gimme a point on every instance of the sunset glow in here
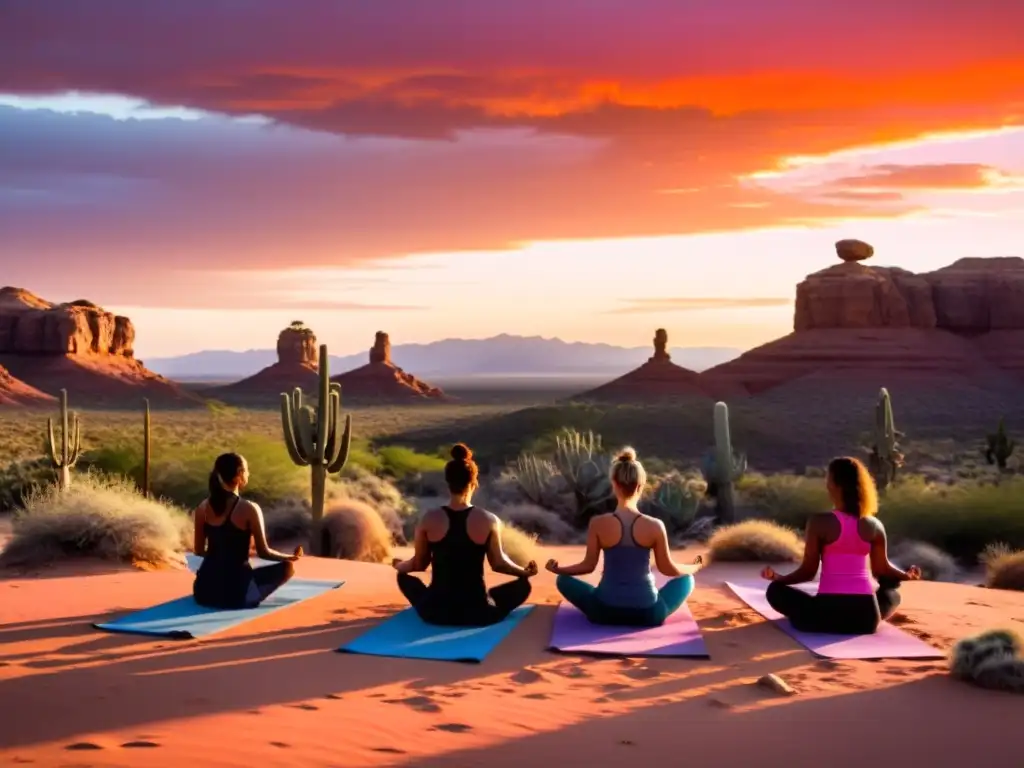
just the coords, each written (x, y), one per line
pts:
(465, 169)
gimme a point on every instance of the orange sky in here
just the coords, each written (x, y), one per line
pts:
(590, 171)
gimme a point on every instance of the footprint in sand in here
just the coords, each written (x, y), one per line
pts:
(572, 672)
(334, 696)
(280, 744)
(535, 696)
(642, 673)
(526, 676)
(82, 746)
(452, 727)
(719, 704)
(139, 744)
(390, 750)
(418, 703)
(306, 707)
(612, 687)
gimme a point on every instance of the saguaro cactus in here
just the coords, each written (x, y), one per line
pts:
(886, 456)
(1000, 446)
(313, 438)
(722, 468)
(147, 436)
(70, 443)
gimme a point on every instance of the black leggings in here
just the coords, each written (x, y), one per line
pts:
(835, 614)
(437, 607)
(262, 583)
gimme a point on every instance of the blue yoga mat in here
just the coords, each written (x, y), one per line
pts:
(184, 619)
(406, 635)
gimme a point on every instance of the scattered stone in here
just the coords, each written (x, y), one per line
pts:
(776, 684)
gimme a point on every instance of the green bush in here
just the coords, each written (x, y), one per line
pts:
(959, 519)
(18, 479)
(401, 462)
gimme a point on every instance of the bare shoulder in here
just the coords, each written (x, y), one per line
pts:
(486, 515)
(872, 524)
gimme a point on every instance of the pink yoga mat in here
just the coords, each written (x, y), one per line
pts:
(889, 642)
(679, 636)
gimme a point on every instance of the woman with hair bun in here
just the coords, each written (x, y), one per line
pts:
(627, 594)
(850, 545)
(226, 529)
(454, 540)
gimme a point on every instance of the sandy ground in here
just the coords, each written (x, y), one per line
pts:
(272, 692)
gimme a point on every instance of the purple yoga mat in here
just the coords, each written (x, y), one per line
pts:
(679, 636)
(889, 642)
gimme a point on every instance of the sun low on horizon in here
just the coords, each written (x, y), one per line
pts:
(216, 170)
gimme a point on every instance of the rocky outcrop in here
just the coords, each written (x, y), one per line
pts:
(77, 346)
(16, 393)
(658, 378)
(296, 366)
(962, 321)
(380, 380)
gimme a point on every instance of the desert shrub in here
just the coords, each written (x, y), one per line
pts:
(543, 524)
(288, 520)
(352, 530)
(787, 499)
(761, 541)
(958, 519)
(181, 473)
(990, 660)
(520, 547)
(401, 462)
(19, 478)
(961, 519)
(101, 517)
(380, 493)
(1004, 567)
(935, 564)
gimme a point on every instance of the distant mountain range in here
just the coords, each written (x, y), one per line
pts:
(456, 358)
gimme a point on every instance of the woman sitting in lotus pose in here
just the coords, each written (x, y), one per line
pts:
(850, 544)
(226, 526)
(627, 594)
(454, 540)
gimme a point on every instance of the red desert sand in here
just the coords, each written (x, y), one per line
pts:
(273, 693)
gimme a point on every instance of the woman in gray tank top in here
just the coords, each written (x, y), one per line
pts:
(627, 594)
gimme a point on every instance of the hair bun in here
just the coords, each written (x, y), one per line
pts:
(461, 452)
(627, 454)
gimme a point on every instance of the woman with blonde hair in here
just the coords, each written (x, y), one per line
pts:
(850, 545)
(627, 594)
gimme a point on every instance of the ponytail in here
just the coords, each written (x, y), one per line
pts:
(226, 468)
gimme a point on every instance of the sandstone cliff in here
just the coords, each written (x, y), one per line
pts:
(15, 392)
(381, 380)
(964, 321)
(296, 366)
(76, 346)
(658, 378)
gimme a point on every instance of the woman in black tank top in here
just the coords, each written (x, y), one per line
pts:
(225, 527)
(457, 595)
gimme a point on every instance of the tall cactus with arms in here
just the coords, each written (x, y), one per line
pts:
(722, 468)
(314, 438)
(886, 456)
(70, 443)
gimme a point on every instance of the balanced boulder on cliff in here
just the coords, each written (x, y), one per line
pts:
(77, 346)
(881, 325)
(296, 366)
(658, 378)
(381, 380)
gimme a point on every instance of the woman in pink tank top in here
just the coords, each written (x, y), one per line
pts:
(850, 545)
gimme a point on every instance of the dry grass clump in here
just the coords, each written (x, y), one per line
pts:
(381, 494)
(543, 524)
(287, 521)
(98, 517)
(352, 530)
(990, 660)
(935, 564)
(1004, 567)
(520, 547)
(757, 541)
